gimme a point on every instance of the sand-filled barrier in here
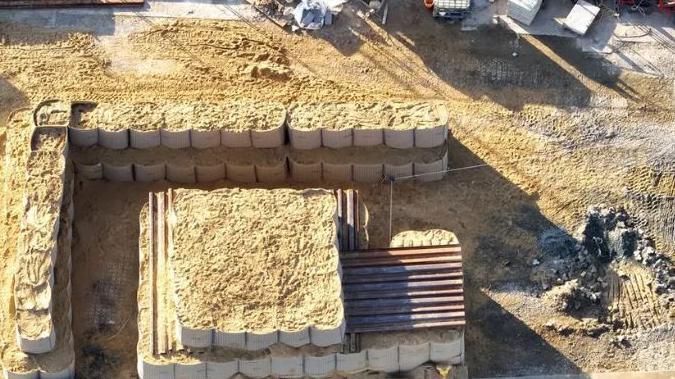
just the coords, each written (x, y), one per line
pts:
(37, 245)
(336, 125)
(178, 125)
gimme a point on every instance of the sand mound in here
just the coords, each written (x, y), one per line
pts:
(431, 237)
(256, 260)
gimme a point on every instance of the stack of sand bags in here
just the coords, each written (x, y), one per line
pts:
(523, 11)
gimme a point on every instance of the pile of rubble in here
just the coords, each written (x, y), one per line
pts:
(576, 272)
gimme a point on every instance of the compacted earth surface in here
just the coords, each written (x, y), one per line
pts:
(565, 217)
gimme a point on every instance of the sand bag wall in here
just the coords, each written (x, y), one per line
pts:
(37, 246)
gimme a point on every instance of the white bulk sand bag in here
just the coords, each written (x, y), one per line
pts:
(144, 139)
(432, 171)
(236, 340)
(327, 337)
(398, 171)
(191, 370)
(180, 173)
(203, 139)
(256, 368)
(149, 172)
(337, 172)
(287, 367)
(264, 139)
(272, 174)
(305, 172)
(193, 337)
(89, 171)
(399, 139)
(411, 356)
(66, 373)
(38, 345)
(368, 137)
(155, 371)
(303, 139)
(222, 370)
(447, 352)
(258, 341)
(83, 137)
(20, 375)
(243, 173)
(337, 139)
(352, 363)
(210, 173)
(320, 367)
(235, 138)
(113, 139)
(385, 360)
(367, 173)
(431, 137)
(295, 339)
(175, 139)
(118, 173)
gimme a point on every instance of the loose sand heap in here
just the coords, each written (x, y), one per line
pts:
(182, 116)
(37, 243)
(362, 115)
(256, 260)
(431, 237)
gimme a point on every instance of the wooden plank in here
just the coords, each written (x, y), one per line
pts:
(353, 271)
(357, 221)
(417, 301)
(161, 251)
(346, 263)
(373, 311)
(411, 277)
(350, 220)
(151, 269)
(398, 286)
(408, 251)
(384, 319)
(377, 328)
(403, 294)
(340, 214)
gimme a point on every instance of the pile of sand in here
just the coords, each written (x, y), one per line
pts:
(240, 115)
(363, 115)
(256, 260)
(431, 237)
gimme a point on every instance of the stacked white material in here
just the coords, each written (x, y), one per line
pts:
(37, 244)
(581, 17)
(523, 11)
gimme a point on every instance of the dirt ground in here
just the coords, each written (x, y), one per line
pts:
(556, 131)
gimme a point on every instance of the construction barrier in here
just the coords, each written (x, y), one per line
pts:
(320, 367)
(66, 373)
(148, 370)
(118, 173)
(222, 370)
(204, 138)
(235, 138)
(243, 173)
(265, 139)
(302, 139)
(385, 360)
(149, 172)
(431, 137)
(368, 137)
(181, 173)
(287, 367)
(367, 173)
(198, 338)
(175, 139)
(337, 172)
(337, 139)
(259, 341)
(272, 174)
(195, 370)
(447, 352)
(351, 363)
(305, 172)
(327, 337)
(431, 171)
(113, 139)
(398, 171)
(210, 173)
(411, 356)
(295, 339)
(144, 139)
(399, 139)
(42, 344)
(83, 137)
(256, 368)
(235, 340)
(34, 374)
(89, 171)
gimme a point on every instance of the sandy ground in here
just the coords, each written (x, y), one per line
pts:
(555, 130)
